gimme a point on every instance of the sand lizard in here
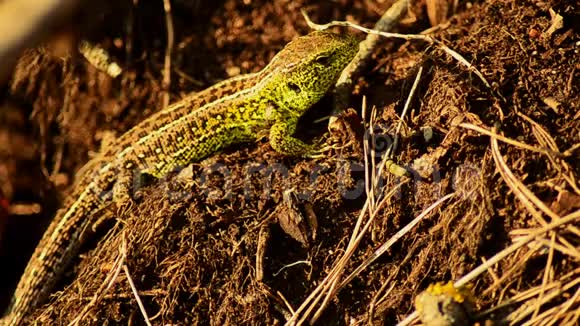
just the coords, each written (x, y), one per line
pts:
(234, 111)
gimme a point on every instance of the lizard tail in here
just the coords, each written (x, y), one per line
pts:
(55, 251)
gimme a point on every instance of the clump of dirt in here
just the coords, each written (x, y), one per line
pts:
(204, 246)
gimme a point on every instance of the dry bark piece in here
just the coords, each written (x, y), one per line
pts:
(437, 11)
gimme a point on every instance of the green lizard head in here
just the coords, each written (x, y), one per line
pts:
(307, 68)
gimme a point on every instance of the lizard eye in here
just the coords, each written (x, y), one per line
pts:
(294, 87)
(323, 60)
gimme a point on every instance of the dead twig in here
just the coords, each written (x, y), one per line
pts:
(168, 51)
(344, 84)
(426, 38)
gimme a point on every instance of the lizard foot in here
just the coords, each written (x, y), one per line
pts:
(322, 149)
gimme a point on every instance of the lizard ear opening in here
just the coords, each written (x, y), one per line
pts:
(294, 87)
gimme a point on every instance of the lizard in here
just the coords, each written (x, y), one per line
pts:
(237, 110)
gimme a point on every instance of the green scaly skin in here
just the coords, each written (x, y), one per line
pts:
(235, 111)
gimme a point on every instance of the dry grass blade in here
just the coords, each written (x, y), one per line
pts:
(376, 194)
(384, 247)
(376, 198)
(521, 297)
(548, 141)
(510, 141)
(548, 270)
(107, 283)
(572, 305)
(529, 200)
(136, 295)
(471, 276)
(516, 263)
(531, 305)
(406, 109)
(572, 252)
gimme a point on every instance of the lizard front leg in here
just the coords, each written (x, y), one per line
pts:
(283, 142)
(123, 188)
(128, 183)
